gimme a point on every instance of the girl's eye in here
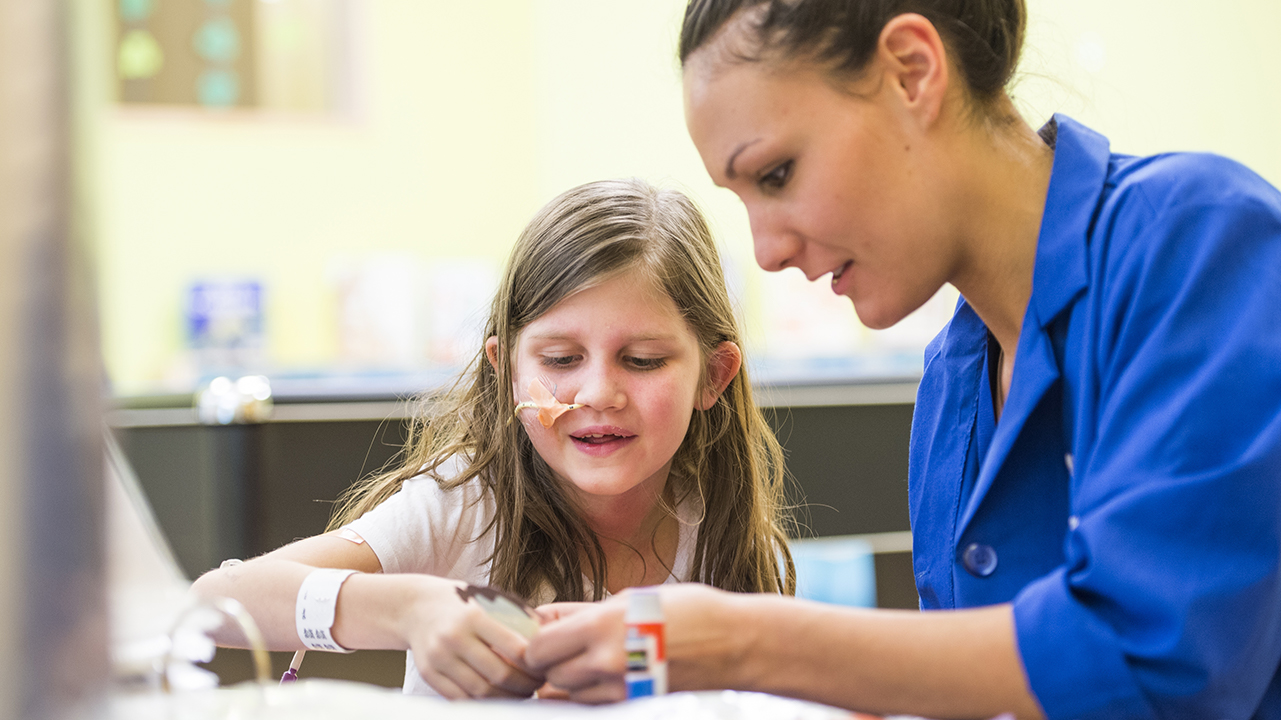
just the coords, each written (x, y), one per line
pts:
(641, 363)
(776, 178)
(558, 360)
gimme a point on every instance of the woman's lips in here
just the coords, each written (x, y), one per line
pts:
(841, 278)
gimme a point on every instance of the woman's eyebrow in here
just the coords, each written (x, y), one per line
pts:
(730, 172)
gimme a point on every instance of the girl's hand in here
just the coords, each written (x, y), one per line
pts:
(461, 651)
(556, 611)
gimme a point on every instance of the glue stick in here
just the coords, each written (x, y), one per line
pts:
(645, 647)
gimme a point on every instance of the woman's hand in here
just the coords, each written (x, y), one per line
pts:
(460, 650)
(580, 646)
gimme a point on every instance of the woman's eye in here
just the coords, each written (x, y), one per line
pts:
(641, 363)
(558, 360)
(776, 178)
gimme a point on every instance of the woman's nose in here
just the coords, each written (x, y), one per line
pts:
(601, 388)
(776, 247)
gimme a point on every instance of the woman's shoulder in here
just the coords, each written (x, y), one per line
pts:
(1178, 182)
(1182, 212)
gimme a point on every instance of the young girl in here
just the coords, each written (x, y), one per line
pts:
(638, 458)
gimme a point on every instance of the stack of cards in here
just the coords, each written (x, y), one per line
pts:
(504, 608)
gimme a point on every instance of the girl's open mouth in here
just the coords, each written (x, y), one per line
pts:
(596, 439)
(600, 437)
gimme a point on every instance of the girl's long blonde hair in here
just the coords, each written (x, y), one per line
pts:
(729, 458)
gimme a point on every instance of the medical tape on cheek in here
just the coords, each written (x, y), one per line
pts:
(544, 400)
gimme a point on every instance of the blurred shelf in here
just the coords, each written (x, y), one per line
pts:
(886, 379)
(315, 406)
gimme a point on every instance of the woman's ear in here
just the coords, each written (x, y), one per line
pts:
(915, 61)
(491, 351)
(723, 364)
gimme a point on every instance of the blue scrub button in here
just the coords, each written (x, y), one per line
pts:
(979, 559)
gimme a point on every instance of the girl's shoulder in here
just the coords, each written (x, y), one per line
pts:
(435, 501)
(443, 486)
(431, 523)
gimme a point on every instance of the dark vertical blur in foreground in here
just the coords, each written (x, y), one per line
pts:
(53, 628)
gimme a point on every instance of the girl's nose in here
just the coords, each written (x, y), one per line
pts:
(601, 388)
(776, 247)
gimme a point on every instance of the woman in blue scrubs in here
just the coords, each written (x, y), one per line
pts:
(1095, 471)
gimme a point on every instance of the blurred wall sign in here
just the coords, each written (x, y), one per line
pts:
(398, 311)
(186, 52)
(459, 293)
(381, 315)
(218, 54)
(225, 325)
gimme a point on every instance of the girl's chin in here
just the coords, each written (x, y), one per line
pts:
(601, 486)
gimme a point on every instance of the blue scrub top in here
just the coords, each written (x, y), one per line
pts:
(1128, 503)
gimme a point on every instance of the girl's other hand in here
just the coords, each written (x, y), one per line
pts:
(580, 647)
(551, 692)
(461, 651)
(555, 611)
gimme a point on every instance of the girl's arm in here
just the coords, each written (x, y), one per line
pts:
(963, 663)
(460, 651)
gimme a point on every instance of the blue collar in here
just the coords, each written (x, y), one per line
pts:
(1080, 169)
(1060, 275)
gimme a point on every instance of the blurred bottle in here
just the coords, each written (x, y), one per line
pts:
(645, 645)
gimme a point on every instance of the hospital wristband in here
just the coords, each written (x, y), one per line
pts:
(314, 612)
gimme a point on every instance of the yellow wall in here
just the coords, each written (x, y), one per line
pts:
(437, 159)
(1160, 75)
(474, 114)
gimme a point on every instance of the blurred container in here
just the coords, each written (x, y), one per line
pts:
(224, 402)
(837, 570)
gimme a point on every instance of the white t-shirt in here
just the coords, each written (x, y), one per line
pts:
(426, 529)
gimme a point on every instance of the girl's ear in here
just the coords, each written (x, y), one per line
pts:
(722, 366)
(491, 351)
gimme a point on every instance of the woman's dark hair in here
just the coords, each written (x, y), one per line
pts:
(984, 36)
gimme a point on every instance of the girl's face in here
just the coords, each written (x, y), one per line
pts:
(834, 184)
(623, 351)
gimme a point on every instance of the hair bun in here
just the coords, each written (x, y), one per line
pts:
(984, 37)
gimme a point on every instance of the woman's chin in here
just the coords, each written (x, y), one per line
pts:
(874, 316)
